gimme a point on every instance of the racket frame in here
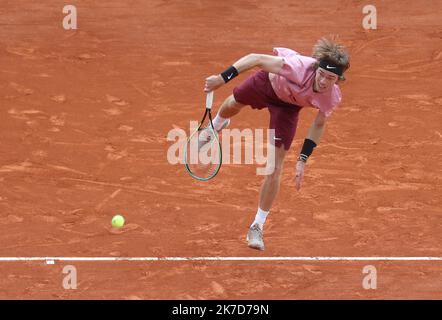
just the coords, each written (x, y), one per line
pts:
(209, 102)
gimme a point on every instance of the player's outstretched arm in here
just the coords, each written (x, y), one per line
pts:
(317, 128)
(266, 62)
(314, 135)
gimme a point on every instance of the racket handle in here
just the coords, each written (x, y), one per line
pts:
(209, 100)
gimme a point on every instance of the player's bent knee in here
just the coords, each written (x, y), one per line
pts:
(233, 103)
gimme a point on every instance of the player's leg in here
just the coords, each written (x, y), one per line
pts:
(229, 108)
(268, 193)
(284, 121)
(270, 186)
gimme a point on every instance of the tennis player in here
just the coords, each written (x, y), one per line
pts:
(285, 83)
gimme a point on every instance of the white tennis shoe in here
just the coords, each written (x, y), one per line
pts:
(255, 237)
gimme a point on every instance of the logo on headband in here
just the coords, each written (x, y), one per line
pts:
(332, 67)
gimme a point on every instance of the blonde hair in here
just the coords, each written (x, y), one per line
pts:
(329, 49)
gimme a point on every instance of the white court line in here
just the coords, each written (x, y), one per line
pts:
(50, 260)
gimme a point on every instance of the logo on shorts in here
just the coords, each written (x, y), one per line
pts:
(328, 67)
(277, 138)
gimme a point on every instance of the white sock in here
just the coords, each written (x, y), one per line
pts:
(218, 122)
(260, 217)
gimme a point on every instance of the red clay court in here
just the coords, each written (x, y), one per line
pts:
(84, 119)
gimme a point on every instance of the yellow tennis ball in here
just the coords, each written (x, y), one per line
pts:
(118, 221)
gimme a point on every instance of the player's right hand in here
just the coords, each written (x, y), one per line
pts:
(299, 174)
(213, 83)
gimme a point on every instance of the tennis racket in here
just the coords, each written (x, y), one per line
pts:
(202, 153)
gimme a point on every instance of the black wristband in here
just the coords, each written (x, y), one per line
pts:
(307, 149)
(229, 74)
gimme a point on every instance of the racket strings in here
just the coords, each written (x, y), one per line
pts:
(203, 153)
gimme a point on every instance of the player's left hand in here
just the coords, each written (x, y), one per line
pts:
(299, 174)
(213, 83)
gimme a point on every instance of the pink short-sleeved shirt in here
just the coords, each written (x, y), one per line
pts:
(294, 83)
